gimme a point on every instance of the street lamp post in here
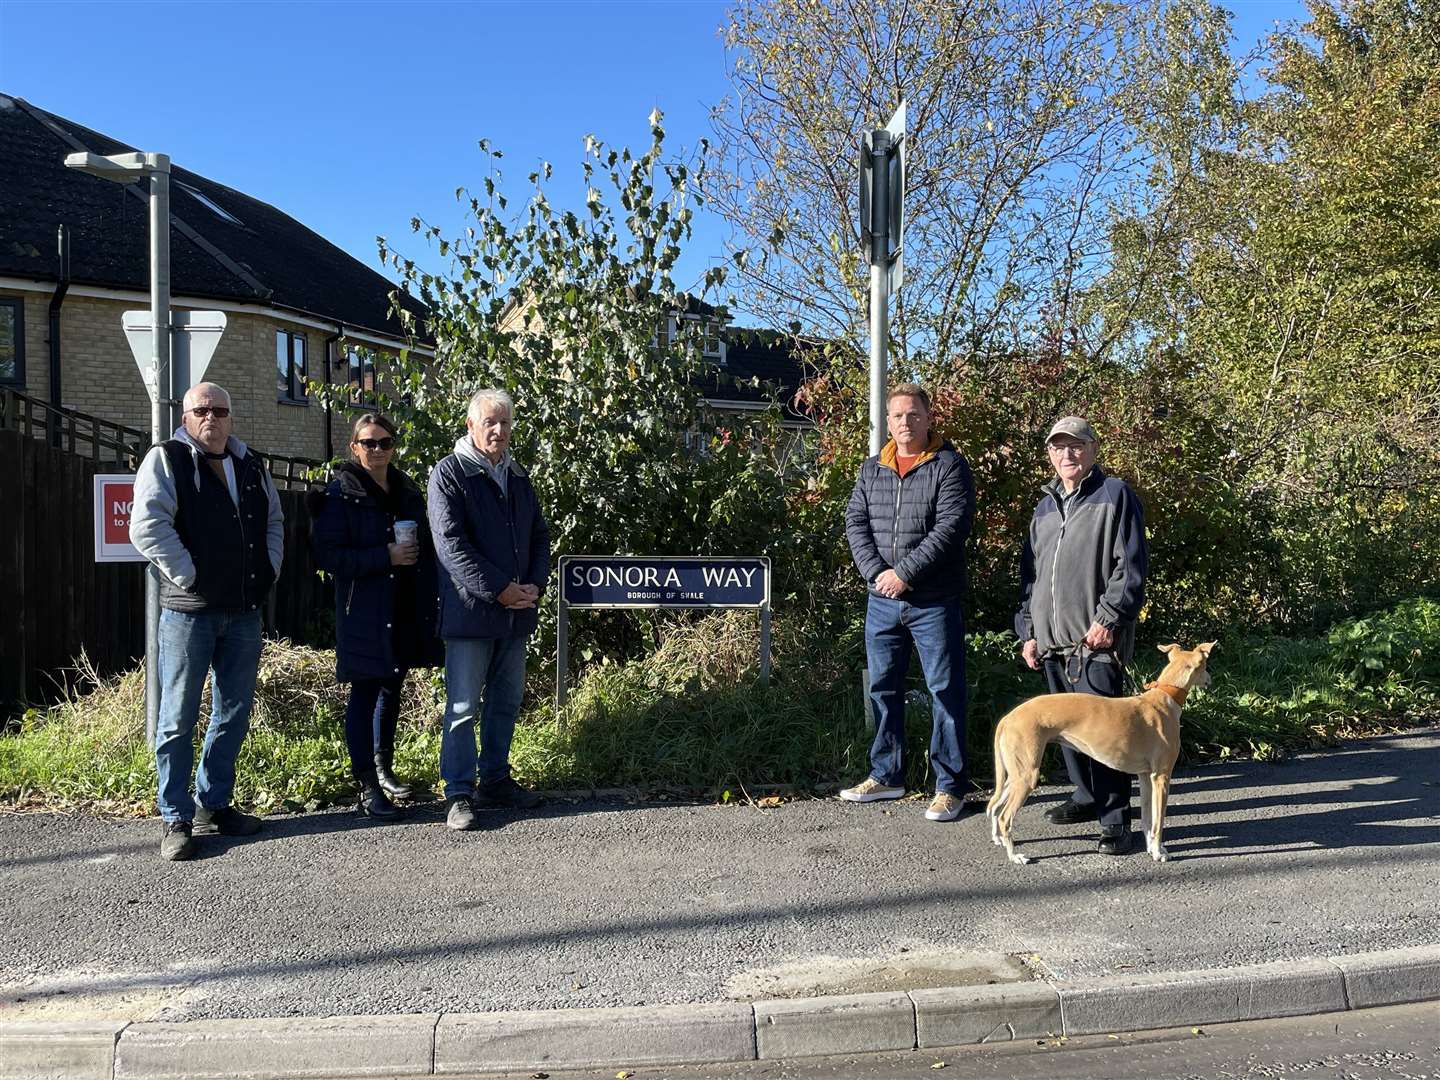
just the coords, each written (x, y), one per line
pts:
(165, 393)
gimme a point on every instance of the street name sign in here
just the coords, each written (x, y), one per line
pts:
(597, 582)
(615, 581)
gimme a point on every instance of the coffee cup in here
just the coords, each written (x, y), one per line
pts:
(407, 532)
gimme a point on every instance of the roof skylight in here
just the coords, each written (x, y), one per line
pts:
(211, 205)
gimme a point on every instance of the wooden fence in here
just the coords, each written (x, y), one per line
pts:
(56, 602)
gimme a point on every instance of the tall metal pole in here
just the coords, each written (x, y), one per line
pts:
(879, 285)
(879, 321)
(562, 653)
(163, 407)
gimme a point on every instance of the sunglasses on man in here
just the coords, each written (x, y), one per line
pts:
(220, 412)
(387, 443)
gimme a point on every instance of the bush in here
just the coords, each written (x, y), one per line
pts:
(693, 718)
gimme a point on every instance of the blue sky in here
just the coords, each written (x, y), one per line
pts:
(354, 117)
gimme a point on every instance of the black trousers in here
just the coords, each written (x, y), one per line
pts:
(371, 717)
(1096, 785)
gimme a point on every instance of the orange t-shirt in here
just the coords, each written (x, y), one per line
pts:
(904, 464)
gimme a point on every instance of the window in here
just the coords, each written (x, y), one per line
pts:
(12, 341)
(210, 204)
(361, 374)
(712, 337)
(290, 369)
(662, 333)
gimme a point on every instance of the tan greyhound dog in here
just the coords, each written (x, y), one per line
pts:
(1139, 735)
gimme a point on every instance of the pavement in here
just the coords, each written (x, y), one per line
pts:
(1298, 887)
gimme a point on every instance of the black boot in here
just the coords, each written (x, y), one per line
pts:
(373, 801)
(395, 788)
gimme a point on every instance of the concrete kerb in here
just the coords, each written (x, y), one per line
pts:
(427, 1044)
(580, 1038)
(262, 1049)
(59, 1050)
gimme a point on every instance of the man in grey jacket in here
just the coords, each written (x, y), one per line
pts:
(208, 520)
(1082, 584)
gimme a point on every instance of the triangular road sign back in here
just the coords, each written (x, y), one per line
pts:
(194, 336)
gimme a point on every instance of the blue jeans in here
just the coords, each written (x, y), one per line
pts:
(192, 645)
(937, 632)
(484, 677)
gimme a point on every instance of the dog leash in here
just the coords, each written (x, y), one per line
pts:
(1075, 662)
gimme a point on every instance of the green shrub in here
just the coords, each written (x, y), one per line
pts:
(692, 716)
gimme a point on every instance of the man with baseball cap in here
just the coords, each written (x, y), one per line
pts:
(1082, 583)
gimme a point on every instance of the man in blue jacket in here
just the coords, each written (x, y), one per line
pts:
(907, 523)
(1082, 584)
(493, 547)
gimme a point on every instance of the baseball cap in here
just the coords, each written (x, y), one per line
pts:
(1075, 427)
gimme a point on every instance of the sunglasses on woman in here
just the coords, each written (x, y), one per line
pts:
(387, 443)
(220, 412)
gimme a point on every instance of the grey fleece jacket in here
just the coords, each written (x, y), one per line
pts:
(152, 520)
(1086, 564)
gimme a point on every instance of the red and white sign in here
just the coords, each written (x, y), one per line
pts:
(114, 497)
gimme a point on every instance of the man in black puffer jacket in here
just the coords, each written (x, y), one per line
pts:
(907, 523)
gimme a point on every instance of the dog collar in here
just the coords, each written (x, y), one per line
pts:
(1176, 692)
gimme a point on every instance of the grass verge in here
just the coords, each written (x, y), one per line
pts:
(693, 716)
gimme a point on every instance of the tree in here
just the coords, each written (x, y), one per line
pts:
(1300, 298)
(1027, 120)
(561, 308)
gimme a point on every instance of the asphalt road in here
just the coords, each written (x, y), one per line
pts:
(1400, 1043)
(592, 904)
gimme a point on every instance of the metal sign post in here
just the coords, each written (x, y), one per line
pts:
(130, 168)
(595, 582)
(882, 234)
(882, 237)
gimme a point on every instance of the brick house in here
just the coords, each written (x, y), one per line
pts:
(745, 368)
(296, 305)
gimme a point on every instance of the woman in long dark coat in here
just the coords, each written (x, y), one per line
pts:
(386, 599)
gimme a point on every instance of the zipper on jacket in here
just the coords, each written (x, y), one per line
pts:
(514, 548)
(1055, 564)
(240, 519)
(895, 524)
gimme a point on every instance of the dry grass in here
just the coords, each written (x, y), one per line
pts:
(693, 715)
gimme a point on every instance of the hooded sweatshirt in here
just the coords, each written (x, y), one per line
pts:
(253, 523)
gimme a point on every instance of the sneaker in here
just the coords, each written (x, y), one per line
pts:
(944, 807)
(227, 821)
(461, 815)
(871, 790)
(175, 842)
(506, 794)
(1116, 840)
(1070, 812)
